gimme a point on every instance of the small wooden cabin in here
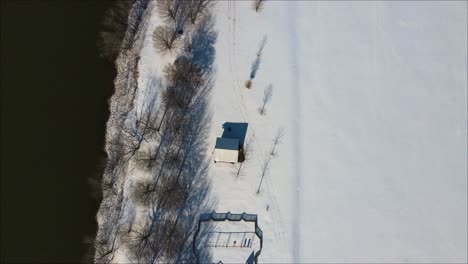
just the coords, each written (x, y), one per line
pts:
(226, 150)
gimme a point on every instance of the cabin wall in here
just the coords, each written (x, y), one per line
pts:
(226, 155)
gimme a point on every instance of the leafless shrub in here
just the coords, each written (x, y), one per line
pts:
(258, 5)
(143, 244)
(256, 63)
(171, 9)
(184, 72)
(174, 12)
(146, 159)
(248, 84)
(144, 192)
(108, 186)
(199, 8)
(164, 38)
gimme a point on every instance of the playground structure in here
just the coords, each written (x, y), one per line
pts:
(235, 235)
(230, 239)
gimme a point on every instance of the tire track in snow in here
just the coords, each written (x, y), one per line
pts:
(234, 66)
(238, 90)
(232, 63)
(296, 132)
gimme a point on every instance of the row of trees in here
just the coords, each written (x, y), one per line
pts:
(265, 169)
(164, 137)
(177, 15)
(167, 141)
(119, 43)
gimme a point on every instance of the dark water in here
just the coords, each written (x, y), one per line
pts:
(54, 91)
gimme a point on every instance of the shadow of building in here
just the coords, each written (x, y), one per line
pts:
(236, 131)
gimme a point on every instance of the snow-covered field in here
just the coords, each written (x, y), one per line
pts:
(372, 96)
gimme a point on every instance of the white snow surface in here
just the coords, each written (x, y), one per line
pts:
(373, 98)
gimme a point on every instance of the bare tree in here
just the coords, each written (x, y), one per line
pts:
(146, 159)
(258, 5)
(266, 163)
(277, 140)
(146, 114)
(175, 187)
(164, 38)
(143, 238)
(184, 79)
(267, 95)
(169, 9)
(173, 197)
(198, 8)
(256, 64)
(265, 170)
(144, 192)
(244, 155)
(175, 12)
(185, 73)
(140, 124)
(134, 21)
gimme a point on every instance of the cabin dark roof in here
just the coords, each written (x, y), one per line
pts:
(227, 143)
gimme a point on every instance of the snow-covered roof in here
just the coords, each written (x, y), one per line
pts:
(227, 143)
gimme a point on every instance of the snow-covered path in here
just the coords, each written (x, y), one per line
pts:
(295, 132)
(373, 99)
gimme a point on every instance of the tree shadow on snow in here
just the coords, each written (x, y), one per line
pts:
(178, 189)
(200, 44)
